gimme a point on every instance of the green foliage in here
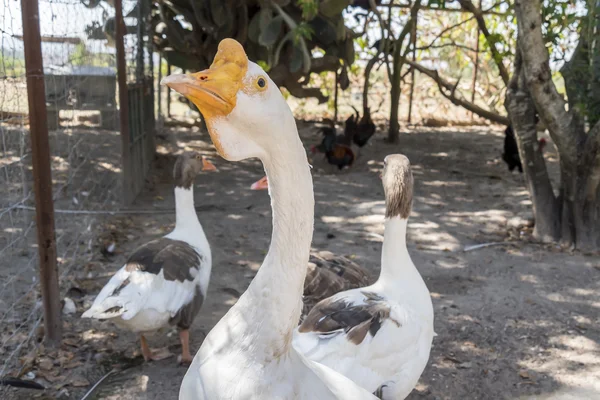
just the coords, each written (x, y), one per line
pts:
(82, 56)
(310, 8)
(303, 31)
(11, 66)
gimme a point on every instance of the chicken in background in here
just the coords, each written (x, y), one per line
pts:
(334, 146)
(360, 129)
(511, 149)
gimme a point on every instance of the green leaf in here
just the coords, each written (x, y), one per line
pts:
(254, 28)
(349, 51)
(340, 31)
(324, 30)
(266, 14)
(296, 60)
(264, 65)
(310, 8)
(271, 32)
(218, 12)
(286, 38)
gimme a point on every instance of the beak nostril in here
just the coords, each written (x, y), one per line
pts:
(203, 78)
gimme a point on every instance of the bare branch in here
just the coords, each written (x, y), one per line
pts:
(448, 29)
(451, 44)
(453, 10)
(467, 5)
(383, 45)
(448, 90)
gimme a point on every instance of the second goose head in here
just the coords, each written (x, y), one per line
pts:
(398, 186)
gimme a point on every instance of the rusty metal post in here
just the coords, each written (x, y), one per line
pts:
(475, 68)
(168, 92)
(413, 39)
(42, 175)
(159, 90)
(123, 102)
(335, 99)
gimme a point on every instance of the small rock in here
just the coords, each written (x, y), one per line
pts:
(465, 365)
(69, 307)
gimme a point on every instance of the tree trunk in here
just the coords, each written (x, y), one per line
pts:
(394, 131)
(578, 210)
(366, 85)
(521, 110)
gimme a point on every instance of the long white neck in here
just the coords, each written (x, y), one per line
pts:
(396, 264)
(185, 211)
(272, 304)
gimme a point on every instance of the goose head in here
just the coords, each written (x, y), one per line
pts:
(244, 110)
(397, 181)
(187, 166)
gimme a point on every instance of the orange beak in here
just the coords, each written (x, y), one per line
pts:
(261, 184)
(207, 165)
(214, 90)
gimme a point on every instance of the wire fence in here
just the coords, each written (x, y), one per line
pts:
(80, 77)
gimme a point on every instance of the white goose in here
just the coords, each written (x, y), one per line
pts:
(249, 353)
(164, 282)
(379, 336)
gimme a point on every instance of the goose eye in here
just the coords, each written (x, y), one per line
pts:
(261, 82)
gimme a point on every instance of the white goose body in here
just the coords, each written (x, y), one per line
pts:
(379, 336)
(165, 281)
(248, 354)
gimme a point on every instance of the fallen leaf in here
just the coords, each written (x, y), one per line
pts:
(45, 364)
(79, 382)
(51, 376)
(524, 374)
(73, 364)
(71, 342)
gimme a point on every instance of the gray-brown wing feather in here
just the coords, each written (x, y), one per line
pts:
(174, 257)
(356, 320)
(327, 275)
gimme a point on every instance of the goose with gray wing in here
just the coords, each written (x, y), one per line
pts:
(164, 282)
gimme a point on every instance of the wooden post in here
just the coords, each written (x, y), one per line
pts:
(335, 99)
(123, 102)
(42, 175)
(413, 39)
(168, 92)
(159, 89)
(475, 68)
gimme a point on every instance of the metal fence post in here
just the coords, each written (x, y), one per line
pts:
(123, 101)
(42, 175)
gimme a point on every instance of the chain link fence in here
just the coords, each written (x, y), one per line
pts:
(78, 46)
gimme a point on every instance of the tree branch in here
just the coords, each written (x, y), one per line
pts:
(448, 29)
(446, 86)
(467, 5)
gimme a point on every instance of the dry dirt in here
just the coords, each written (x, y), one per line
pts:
(517, 320)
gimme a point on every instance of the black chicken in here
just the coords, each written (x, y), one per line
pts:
(511, 150)
(336, 151)
(363, 128)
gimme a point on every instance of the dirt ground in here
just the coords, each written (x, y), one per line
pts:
(516, 320)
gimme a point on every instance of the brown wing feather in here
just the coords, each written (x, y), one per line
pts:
(329, 274)
(174, 257)
(356, 320)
